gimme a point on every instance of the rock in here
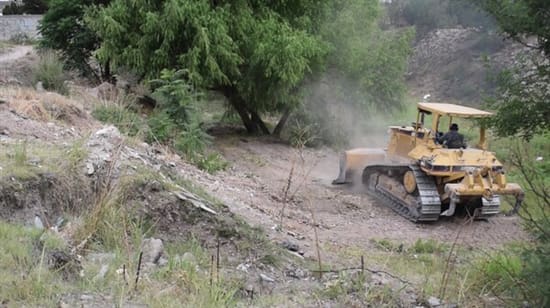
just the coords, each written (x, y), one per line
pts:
(38, 222)
(243, 267)
(434, 301)
(189, 258)
(266, 278)
(249, 288)
(162, 261)
(290, 246)
(90, 169)
(110, 132)
(152, 250)
(39, 86)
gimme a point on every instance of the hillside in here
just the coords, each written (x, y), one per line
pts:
(460, 64)
(101, 218)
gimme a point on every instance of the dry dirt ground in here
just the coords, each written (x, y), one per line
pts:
(254, 185)
(254, 188)
(260, 169)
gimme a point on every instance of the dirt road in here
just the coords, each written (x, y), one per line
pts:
(347, 218)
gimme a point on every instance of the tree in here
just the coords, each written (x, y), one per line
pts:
(35, 6)
(27, 7)
(63, 28)
(522, 105)
(255, 53)
(259, 54)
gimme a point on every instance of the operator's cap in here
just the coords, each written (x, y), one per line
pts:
(454, 126)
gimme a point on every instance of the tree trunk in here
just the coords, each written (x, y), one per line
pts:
(258, 120)
(282, 122)
(250, 125)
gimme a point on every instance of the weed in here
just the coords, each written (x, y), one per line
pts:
(20, 154)
(210, 163)
(427, 246)
(25, 278)
(50, 72)
(162, 127)
(122, 116)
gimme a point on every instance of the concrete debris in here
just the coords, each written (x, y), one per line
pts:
(152, 250)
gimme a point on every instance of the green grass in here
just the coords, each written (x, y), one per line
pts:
(26, 278)
(25, 160)
(122, 116)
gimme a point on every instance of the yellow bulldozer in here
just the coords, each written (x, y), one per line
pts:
(422, 177)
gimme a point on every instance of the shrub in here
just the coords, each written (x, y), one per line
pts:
(175, 96)
(428, 246)
(210, 163)
(192, 140)
(161, 127)
(50, 72)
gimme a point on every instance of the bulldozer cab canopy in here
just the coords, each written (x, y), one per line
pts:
(438, 111)
(453, 110)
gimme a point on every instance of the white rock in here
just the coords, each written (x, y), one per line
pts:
(152, 250)
(266, 278)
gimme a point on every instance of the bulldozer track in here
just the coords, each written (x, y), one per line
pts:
(428, 204)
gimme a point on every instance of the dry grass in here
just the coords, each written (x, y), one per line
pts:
(42, 106)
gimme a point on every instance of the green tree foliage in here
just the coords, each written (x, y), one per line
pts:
(12, 9)
(35, 6)
(63, 29)
(258, 54)
(27, 7)
(522, 105)
(255, 53)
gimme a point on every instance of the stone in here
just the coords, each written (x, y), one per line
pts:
(90, 169)
(434, 301)
(290, 246)
(152, 250)
(266, 278)
(39, 86)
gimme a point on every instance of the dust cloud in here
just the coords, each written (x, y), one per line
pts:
(343, 115)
